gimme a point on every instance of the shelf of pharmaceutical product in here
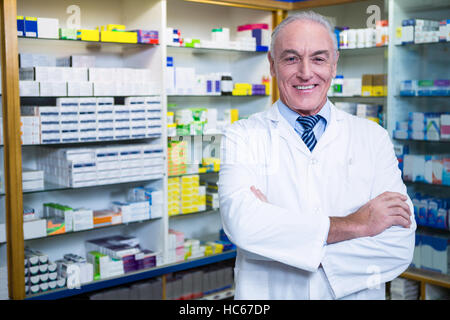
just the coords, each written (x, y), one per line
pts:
(369, 51)
(94, 228)
(215, 95)
(193, 213)
(48, 186)
(89, 42)
(422, 141)
(426, 184)
(134, 276)
(93, 142)
(222, 295)
(418, 45)
(432, 230)
(199, 173)
(360, 98)
(421, 97)
(426, 276)
(204, 49)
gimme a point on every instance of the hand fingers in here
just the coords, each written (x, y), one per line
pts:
(262, 196)
(393, 195)
(258, 194)
(397, 211)
(397, 203)
(401, 221)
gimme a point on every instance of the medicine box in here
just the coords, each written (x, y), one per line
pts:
(48, 28)
(31, 27)
(20, 26)
(34, 229)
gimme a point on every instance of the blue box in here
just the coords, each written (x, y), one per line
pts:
(20, 26)
(31, 29)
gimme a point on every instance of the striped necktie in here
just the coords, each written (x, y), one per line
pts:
(308, 124)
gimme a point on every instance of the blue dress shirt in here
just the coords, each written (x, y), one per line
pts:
(291, 117)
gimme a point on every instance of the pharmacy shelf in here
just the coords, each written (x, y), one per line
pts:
(95, 228)
(423, 141)
(425, 184)
(429, 277)
(432, 230)
(99, 142)
(134, 276)
(418, 45)
(221, 295)
(51, 101)
(21, 38)
(357, 97)
(362, 51)
(215, 96)
(176, 216)
(48, 186)
(190, 174)
(201, 49)
(420, 97)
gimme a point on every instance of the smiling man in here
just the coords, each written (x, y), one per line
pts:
(312, 196)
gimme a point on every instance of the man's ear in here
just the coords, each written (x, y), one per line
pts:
(272, 64)
(335, 64)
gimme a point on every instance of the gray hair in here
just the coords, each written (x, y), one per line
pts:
(305, 16)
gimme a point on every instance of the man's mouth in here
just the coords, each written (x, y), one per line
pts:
(309, 87)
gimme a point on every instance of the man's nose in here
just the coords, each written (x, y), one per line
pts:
(304, 71)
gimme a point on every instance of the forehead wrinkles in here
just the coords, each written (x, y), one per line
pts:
(304, 37)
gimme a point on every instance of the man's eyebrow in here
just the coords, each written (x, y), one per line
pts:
(288, 51)
(315, 53)
(319, 52)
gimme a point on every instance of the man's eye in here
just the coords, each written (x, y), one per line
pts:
(318, 59)
(291, 59)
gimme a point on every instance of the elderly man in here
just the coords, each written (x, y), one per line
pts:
(312, 196)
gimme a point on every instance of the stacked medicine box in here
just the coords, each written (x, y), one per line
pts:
(174, 196)
(193, 197)
(78, 167)
(40, 274)
(96, 119)
(56, 81)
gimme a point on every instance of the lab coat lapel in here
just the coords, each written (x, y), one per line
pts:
(285, 131)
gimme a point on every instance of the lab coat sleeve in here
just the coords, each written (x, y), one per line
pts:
(264, 230)
(367, 262)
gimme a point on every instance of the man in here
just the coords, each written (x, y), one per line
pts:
(312, 196)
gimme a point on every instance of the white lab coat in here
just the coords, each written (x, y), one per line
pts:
(281, 244)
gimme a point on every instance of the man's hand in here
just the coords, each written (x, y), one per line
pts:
(258, 194)
(387, 210)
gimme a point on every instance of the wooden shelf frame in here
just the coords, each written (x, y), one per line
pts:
(425, 277)
(12, 150)
(274, 5)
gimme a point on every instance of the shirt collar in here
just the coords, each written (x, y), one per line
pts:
(292, 116)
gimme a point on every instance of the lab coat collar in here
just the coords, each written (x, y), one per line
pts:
(288, 133)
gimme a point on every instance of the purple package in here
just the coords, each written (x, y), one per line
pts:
(146, 259)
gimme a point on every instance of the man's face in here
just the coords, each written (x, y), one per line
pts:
(304, 63)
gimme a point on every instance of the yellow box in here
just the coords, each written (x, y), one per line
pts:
(243, 86)
(190, 197)
(367, 91)
(112, 27)
(377, 91)
(189, 210)
(237, 92)
(88, 35)
(118, 36)
(374, 119)
(267, 88)
(194, 177)
(208, 250)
